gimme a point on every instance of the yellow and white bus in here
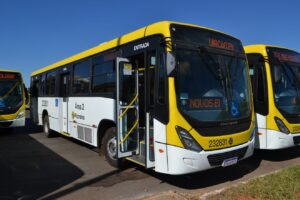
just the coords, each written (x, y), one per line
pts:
(13, 99)
(170, 96)
(275, 74)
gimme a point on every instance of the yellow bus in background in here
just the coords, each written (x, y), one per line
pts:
(170, 96)
(13, 99)
(275, 74)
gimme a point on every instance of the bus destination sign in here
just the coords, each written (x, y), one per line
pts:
(7, 76)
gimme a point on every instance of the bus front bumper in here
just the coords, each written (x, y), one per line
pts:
(279, 140)
(183, 161)
(12, 123)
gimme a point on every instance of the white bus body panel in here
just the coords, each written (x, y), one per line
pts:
(49, 104)
(84, 115)
(160, 147)
(261, 136)
(271, 139)
(279, 140)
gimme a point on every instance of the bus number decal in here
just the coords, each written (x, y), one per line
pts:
(217, 143)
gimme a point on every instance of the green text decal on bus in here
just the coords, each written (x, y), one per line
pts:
(170, 96)
(13, 97)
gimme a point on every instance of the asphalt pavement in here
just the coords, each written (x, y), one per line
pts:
(35, 167)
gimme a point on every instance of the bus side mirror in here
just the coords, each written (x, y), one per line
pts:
(170, 63)
(26, 95)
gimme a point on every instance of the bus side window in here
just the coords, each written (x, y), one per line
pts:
(50, 83)
(259, 83)
(103, 76)
(81, 77)
(42, 85)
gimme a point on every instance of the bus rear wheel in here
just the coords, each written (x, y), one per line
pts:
(110, 148)
(46, 127)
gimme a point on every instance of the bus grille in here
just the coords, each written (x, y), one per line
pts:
(296, 140)
(5, 124)
(217, 159)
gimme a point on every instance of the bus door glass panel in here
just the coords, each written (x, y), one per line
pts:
(127, 108)
(65, 87)
(150, 71)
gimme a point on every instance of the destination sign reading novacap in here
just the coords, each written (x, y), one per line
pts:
(199, 36)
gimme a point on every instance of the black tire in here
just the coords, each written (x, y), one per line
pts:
(46, 127)
(110, 148)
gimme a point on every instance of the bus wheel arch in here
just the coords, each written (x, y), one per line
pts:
(103, 126)
(46, 124)
(108, 143)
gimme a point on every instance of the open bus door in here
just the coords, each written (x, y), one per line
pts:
(127, 109)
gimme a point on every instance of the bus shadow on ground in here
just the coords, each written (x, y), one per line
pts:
(279, 155)
(28, 169)
(210, 177)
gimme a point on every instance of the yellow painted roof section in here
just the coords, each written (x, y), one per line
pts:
(7, 70)
(261, 48)
(161, 27)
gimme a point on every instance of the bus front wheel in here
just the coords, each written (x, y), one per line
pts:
(110, 148)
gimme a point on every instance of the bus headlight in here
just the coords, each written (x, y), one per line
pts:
(21, 115)
(281, 125)
(187, 140)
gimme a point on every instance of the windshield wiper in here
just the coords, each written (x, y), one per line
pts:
(219, 71)
(212, 66)
(229, 84)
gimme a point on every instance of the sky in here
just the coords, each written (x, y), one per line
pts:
(36, 33)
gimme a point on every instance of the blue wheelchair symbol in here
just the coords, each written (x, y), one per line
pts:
(234, 109)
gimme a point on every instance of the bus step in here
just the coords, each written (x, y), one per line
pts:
(140, 160)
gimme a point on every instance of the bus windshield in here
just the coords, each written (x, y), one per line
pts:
(214, 89)
(285, 71)
(212, 83)
(11, 92)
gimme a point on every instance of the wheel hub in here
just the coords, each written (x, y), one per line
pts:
(112, 148)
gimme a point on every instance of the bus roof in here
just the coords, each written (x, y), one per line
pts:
(8, 70)
(161, 27)
(261, 48)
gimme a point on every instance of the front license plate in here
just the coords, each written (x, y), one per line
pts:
(230, 161)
